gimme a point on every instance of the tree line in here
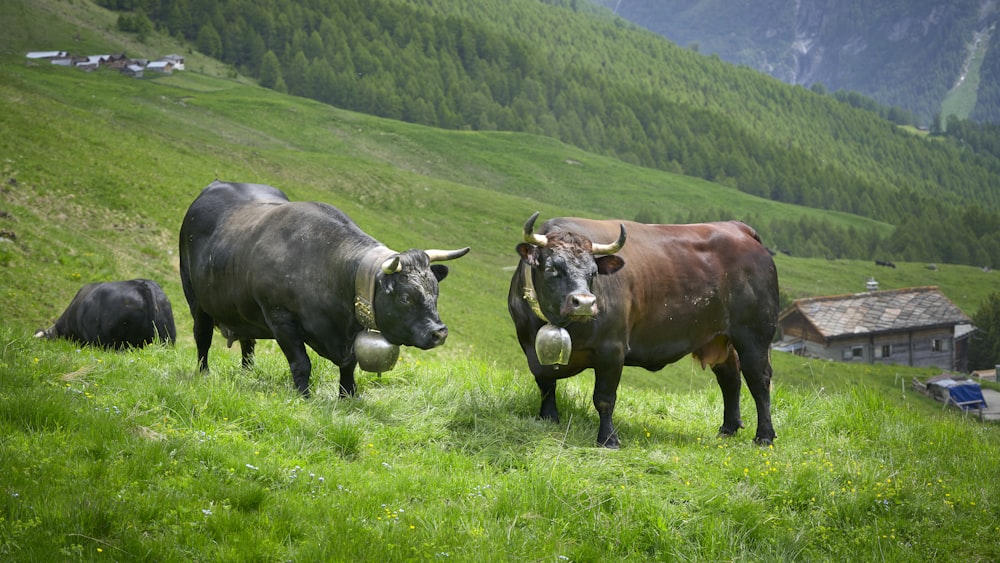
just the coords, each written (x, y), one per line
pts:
(534, 67)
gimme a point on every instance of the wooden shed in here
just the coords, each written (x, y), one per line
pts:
(916, 326)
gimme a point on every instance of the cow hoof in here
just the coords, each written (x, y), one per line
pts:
(726, 432)
(611, 442)
(763, 442)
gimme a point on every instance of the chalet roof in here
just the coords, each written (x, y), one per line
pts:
(46, 54)
(878, 311)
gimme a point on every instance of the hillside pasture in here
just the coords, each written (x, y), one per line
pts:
(136, 455)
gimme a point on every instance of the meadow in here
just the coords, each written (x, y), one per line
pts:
(137, 456)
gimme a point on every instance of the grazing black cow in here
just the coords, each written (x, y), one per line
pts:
(257, 265)
(116, 315)
(709, 289)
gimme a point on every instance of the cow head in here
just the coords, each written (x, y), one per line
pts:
(405, 297)
(563, 265)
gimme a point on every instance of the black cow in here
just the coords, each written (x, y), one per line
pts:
(710, 290)
(258, 266)
(116, 315)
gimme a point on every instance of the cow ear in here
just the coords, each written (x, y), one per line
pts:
(529, 253)
(440, 271)
(609, 264)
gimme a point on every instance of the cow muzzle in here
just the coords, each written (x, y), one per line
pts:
(439, 336)
(580, 306)
(434, 338)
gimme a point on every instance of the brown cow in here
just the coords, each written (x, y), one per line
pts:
(708, 289)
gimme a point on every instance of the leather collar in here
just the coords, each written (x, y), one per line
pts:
(529, 294)
(364, 285)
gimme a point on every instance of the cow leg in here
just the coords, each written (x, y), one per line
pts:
(203, 328)
(347, 384)
(606, 380)
(757, 373)
(247, 346)
(299, 364)
(547, 386)
(727, 374)
(286, 333)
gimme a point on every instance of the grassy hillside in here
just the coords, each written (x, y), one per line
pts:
(102, 168)
(561, 70)
(961, 98)
(137, 456)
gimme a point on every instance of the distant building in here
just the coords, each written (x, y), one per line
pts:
(91, 62)
(176, 60)
(133, 70)
(915, 327)
(118, 61)
(131, 67)
(36, 55)
(165, 67)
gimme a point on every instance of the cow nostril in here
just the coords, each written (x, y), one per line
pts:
(439, 336)
(580, 305)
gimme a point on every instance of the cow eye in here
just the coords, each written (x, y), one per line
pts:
(410, 299)
(551, 271)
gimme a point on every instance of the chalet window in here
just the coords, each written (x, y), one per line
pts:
(884, 352)
(854, 353)
(939, 345)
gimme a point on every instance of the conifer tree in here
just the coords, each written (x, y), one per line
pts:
(209, 42)
(270, 70)
(984, 344)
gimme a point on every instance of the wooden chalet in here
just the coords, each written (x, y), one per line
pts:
(916, 326)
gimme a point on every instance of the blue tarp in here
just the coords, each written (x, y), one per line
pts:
(965, 393)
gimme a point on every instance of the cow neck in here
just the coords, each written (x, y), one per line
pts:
(529, 294)
(364, 284)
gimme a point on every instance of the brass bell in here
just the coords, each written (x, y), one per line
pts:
(375, 354)
(553, 345)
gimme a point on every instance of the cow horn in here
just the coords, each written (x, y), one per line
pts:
(442, 255)
(529, 235)
(613, 247)
(391, 265)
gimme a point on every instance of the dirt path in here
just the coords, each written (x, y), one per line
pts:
(992, 410)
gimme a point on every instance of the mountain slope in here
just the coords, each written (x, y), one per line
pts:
(563, 70)
(610, 88)
(907, 54)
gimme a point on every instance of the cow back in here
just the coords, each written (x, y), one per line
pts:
(120, 314)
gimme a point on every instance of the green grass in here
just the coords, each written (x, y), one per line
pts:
(961, 99)
(131, 456)
(138, 456)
